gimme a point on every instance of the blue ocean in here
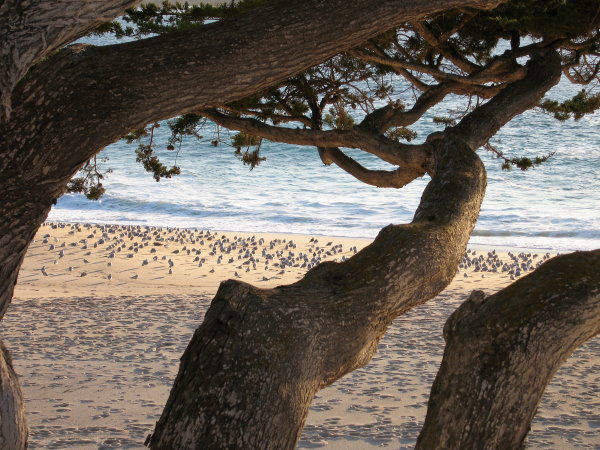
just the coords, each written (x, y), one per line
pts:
(554, 206)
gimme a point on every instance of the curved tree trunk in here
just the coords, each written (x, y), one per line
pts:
(502, 351)
(252, 368)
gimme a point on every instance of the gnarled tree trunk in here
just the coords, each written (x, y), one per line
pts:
(252, 368)
(502, 351)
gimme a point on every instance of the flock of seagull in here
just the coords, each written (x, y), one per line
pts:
(202, 248)
(198, 247)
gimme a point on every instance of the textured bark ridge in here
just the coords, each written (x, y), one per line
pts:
(501, 352)
(13, 426)
(252, 368)
(32, 29)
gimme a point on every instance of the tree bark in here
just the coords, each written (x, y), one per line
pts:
(25, 204)
(13, 425)
(502, 351)
(32, 29)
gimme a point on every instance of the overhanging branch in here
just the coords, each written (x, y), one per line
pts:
(416, 157)
(379, 178)
(157, 78)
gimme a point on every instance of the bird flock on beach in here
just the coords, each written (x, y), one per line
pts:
(201, 248)
(518, 264)
(241, 255)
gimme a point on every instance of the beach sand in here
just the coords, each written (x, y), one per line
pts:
(97, 356)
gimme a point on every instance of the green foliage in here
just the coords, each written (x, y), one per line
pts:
(135, 135)
(150, 162)
(576, 107)
(541, 19)
(522, 162)
(339, 118)
(89, 182)
(401, 133)
(185, 125)
(244, 140)
(250, 158)
(333, 94)
(441, 120)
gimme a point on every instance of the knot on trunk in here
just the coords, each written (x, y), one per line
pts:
(466, 310)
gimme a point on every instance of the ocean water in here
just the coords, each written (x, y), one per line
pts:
(554, 206)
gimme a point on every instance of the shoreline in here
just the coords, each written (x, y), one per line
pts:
(482, 246)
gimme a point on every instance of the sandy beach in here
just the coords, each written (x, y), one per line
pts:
(102, 314)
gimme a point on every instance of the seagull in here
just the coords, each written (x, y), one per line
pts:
(109, 276)
(43, 270)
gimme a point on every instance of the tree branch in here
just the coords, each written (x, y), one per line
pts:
(543, 72)
(450, 54)
(379, 178)
(389, 116)
(274, 117)
(416, 157)
(252, 368)
(157, 78)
